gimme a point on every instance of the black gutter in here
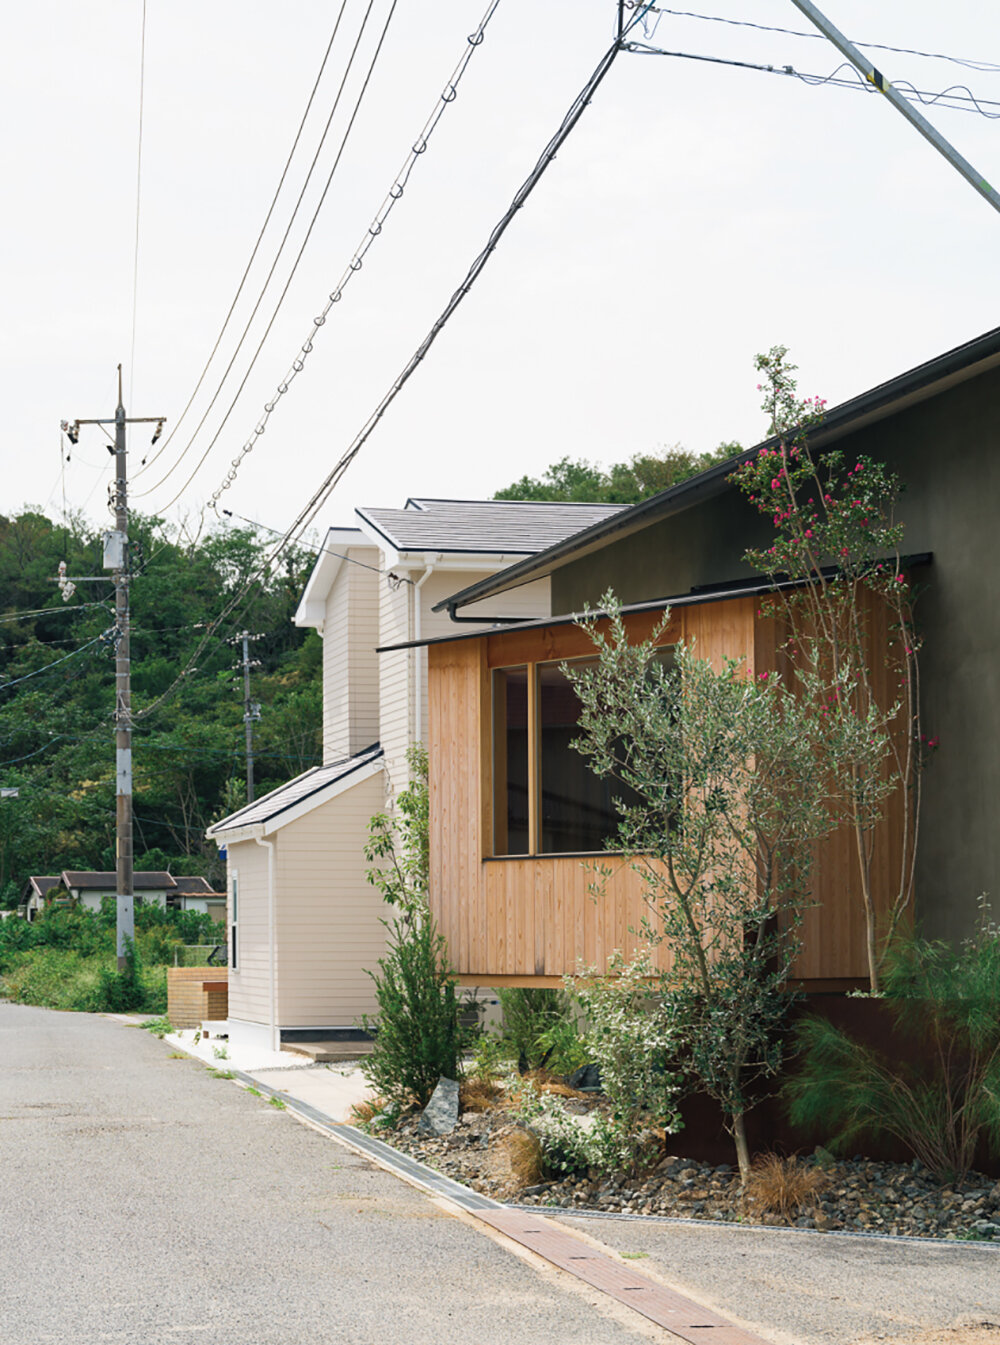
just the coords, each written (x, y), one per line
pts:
(707, 484)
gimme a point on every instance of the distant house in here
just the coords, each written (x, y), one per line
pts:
(155, 886)
(513, 815)
(304, 924)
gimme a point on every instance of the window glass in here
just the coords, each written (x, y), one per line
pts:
(578, 809)
(510, 761)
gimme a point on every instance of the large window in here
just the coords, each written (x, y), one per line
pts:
(546, 799)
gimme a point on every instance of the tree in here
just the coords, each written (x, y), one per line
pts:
(718, 811)
(837, 537)
(642, 475)
(398, 844)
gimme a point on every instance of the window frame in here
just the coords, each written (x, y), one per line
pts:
(534, 754)
(234, 899)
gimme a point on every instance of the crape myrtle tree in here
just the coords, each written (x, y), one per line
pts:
(719, 810)
(837, 537)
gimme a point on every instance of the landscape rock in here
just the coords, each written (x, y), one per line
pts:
(440, 1116)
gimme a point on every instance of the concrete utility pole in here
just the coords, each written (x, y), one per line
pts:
(251, 708)
(901, 104)
(116, 560)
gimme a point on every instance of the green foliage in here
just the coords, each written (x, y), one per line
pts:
(642, 475)
(188, 751)
(160, 1027)
(417, 1039)
(720, 807)
(567, 1145)
(397, 847)
(946, 1002)
(529, 1015)
(632, 1037)
(836, 533)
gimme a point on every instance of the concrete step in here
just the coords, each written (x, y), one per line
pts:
(329, 1052)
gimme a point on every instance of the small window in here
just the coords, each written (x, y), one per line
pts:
(234, 891)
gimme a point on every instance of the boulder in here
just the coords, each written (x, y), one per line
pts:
(440, 1116)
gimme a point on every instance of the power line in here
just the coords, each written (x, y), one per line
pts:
(147, 463)
(55, 662)
(306, 515)
(374, 230)
(316, 550)
(986, 67)
(48, 611)
(946, 98)
(295, 264)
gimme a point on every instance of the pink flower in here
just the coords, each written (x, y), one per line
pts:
(809, 532)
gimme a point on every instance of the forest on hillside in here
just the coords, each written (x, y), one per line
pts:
(57, 694)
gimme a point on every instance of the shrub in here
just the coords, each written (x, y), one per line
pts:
(783, 1186)
(529, 1014)
(567, 1146)
(416, 1029)
(948, 1002)
(632, 1040)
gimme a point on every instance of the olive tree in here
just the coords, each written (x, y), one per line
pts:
(720, 803)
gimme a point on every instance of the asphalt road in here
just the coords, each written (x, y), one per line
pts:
(143, 1201)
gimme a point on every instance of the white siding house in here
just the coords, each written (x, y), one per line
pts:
(307, 922)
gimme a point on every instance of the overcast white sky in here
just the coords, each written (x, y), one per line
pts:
(698, 214)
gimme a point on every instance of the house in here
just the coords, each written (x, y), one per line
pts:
(304, 923)
(508, 876)
(157, 887)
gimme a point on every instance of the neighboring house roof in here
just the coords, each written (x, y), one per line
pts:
(42, 883)
(148, 879)
(195, 887)
(482, 527)
(305, 792)
(916, 385)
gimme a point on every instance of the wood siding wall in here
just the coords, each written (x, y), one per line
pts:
(532, 920)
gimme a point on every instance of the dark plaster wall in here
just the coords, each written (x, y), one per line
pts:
(947, 452)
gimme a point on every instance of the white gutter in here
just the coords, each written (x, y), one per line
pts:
(271, 973)
(430, 561)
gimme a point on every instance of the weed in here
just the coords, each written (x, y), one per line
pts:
(220, 1052)
(783, 1186)
(158, 1026)
(222, 1074)
(364, 1113)
(177, 1055)
(634, 1256)
(275, 1101)
(254, 1091)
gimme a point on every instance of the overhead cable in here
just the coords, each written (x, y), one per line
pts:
(295, 264)
(318, 499)
(147, 463)
(374, 230)
(949, 98)
(98, 639)
(986, 67)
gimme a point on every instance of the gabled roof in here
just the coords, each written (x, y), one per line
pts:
(311, 789)
(482, 527)
(89, 880)
(195, 887)
(42, 883)
(898, 394)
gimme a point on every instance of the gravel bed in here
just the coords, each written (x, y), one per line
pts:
(858, 1195)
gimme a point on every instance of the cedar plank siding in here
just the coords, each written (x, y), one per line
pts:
(531, 920)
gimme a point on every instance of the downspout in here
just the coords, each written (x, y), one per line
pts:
(430, 561)
(271, 951)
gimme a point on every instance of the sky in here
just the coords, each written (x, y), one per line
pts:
(698, 214)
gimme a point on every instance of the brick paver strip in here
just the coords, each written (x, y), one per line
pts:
(682, 1316)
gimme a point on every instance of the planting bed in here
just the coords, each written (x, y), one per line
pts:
(856, 1195)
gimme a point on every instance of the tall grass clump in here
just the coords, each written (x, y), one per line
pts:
(945, 1099)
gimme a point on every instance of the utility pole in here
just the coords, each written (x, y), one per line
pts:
(116, 560)
(251, 708)
(875, 77)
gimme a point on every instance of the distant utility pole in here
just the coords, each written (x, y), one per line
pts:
(116, 560)
(251, 708)
(902, 105)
